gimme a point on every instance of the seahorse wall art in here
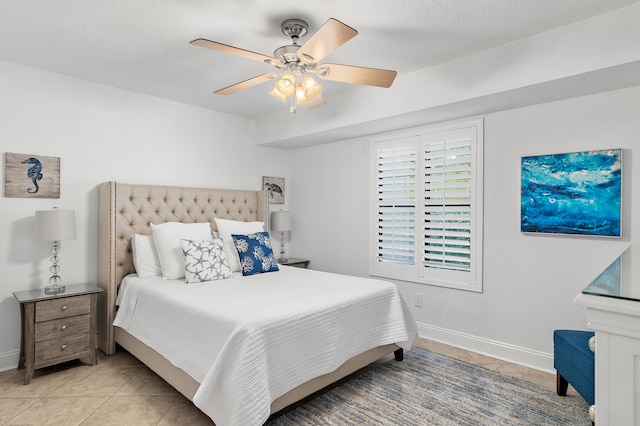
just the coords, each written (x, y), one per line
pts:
(31, 176)
(34, 173)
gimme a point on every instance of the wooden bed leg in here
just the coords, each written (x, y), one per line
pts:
(398, 354)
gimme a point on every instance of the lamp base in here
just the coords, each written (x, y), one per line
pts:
(54, 289)
(283, 255)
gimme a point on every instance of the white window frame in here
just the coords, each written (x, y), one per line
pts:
(389, 259)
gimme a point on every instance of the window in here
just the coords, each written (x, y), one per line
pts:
(427, 206)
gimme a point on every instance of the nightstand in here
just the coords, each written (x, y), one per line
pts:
(298, 263)
(57, 327)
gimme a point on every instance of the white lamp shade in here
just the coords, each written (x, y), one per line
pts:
(280, 221)
(55, 225)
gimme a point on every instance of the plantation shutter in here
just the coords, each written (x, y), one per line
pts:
(447, 197)
(426, 206)
(395, 176)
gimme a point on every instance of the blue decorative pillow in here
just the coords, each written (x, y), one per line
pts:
(256, 255)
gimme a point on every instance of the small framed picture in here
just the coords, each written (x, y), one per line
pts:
(275, 189)
(31, 176)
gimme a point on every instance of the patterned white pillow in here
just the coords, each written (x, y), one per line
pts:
(205, 260)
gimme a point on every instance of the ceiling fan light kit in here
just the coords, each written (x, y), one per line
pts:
(296, 62)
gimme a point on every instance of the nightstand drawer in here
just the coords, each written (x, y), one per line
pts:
(56, 348)
(62, 327)
(64, 307)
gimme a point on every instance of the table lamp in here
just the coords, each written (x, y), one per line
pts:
(281, 222)
(55, 226)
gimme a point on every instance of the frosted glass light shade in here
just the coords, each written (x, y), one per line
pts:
(311, 88)
(287, 84)
(276, 93)
(301, 97)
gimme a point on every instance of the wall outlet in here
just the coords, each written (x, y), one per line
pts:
(417, 300)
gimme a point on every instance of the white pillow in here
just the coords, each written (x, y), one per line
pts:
(228, 227)
(205, 260)
(145, 256)
(167, 238)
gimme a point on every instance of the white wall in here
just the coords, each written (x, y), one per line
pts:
(529, 281)
(100, 134)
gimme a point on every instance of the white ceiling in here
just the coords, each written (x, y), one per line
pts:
(143, 45)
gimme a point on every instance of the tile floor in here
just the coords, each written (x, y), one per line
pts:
(121, 391)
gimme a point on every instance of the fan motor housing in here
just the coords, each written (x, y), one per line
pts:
(294, 28)
(287, 54)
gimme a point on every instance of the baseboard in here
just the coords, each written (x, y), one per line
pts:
(518, 355)
(493, 348)
(9, 360)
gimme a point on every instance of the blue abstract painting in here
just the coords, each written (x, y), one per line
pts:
(575, 193)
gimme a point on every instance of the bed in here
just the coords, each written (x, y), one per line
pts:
(127, 209)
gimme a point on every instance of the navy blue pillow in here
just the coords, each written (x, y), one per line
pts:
(256, 255)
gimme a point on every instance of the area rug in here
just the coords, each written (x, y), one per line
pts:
(428, 388)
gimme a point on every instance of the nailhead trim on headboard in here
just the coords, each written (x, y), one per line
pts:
(127, 209)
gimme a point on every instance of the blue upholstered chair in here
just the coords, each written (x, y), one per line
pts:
(574, 363)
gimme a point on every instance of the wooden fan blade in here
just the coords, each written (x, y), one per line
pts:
(331, 35)
(357, 75)
(254, 81)
(224, 48)
(317, 101)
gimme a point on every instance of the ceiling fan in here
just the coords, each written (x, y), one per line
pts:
(296, 63)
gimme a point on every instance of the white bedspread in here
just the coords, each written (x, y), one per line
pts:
(249, 340)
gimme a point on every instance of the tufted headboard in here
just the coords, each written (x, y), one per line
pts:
(127, 209)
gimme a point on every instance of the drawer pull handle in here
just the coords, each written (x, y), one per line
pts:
(63, 347)
(63, 328)
(64, 308)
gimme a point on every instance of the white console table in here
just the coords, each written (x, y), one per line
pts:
(613, 312)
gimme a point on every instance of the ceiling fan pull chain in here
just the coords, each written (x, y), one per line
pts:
(293, 108)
